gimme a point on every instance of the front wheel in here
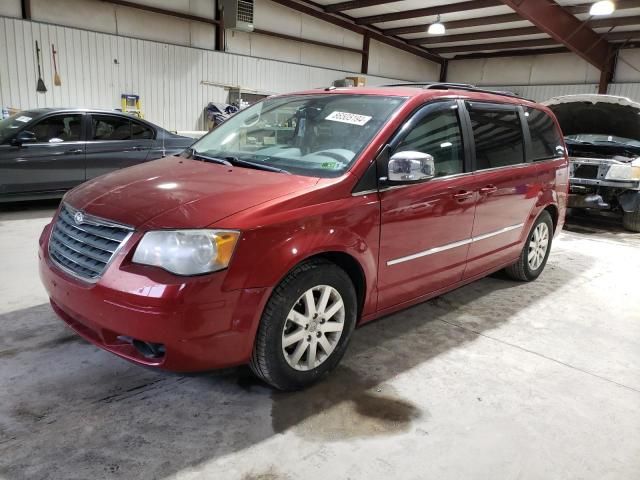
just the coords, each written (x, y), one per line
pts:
(535, 252)
(306, 326)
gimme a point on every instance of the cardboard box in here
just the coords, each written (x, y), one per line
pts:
(358, 81)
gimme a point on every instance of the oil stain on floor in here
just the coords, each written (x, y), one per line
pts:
(344, 405)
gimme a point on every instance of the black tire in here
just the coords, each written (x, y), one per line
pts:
(521, 270)
(268, 361)
(631, 221)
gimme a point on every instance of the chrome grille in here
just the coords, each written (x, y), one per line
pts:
(85, 249)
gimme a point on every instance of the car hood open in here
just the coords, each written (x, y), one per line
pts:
(597, 114)
(178, 192)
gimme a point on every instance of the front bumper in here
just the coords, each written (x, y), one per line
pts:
(201, 325)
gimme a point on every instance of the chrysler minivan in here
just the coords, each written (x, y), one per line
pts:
(301, 217)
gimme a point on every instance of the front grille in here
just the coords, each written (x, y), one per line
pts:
(585, 171)
(84, 249)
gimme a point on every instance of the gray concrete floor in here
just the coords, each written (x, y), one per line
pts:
(497, 380)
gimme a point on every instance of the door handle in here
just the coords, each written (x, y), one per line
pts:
(75, 150)
(463, 194)
(488, 190)
(137, 148)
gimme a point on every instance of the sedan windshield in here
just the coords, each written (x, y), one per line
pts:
(314, 135)
(9, 126)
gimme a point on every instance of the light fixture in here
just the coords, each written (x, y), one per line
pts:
(436, 28)
(603, 7)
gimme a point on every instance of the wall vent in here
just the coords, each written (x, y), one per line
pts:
(238, 15)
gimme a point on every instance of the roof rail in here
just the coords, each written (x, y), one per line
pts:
(456, 86)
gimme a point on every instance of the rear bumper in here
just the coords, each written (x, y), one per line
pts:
(200, 325)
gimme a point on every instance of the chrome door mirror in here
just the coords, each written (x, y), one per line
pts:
(411, 166)
(23, 137)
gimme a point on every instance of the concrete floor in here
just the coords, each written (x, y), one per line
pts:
(497, 380)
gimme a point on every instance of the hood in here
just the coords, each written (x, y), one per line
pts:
(597, 114)
(177, 192)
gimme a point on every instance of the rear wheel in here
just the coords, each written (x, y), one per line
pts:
(535, 252)
(631, 220)
(306, 326)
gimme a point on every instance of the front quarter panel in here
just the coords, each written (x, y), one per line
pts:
(267, 253)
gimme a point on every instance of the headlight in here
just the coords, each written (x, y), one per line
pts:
(624, 172)
(187, 252)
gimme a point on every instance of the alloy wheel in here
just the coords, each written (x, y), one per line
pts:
(313, 327)
(538, 245)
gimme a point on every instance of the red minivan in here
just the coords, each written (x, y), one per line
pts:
(301, 217)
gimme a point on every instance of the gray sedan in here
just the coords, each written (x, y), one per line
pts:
(47, 151)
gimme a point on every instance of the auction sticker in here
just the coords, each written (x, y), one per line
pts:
(23, 119)
(350, 118)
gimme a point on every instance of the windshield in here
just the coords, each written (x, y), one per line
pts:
(314, 135)
(9, 126)
(598, 138)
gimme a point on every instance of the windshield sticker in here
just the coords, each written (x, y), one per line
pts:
(350, 118)
(23, 119)
(329, 165)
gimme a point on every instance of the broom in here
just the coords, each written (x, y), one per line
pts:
(41, 86)
(56, 78)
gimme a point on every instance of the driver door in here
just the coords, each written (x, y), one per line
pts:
(53, 163)
(426, 227)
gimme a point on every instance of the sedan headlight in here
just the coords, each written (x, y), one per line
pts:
(624, 172)
(187, 252)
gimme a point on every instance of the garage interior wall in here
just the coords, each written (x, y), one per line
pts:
(540, 77)
(105, 50)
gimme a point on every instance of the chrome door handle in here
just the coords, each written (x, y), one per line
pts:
(488, 190)
(75, 150)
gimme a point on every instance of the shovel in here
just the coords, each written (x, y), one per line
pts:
(56, 78)
(41, 86)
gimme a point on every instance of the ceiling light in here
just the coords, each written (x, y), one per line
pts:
(604, 7)
(436, 28)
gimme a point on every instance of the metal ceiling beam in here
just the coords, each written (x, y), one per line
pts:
(464, 37)
(511, 53)
(427, 12)
(564, 28)
(509, 18)
(512, 45)
(163, 11)
(343, 21)
(517, 32)
(342, 6)
(469, 22)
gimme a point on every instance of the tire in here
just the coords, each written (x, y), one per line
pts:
(631, 221)
(524, 269)
(283, 366)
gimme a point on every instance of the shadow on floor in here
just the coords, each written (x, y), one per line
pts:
(28, 209)
(73, 411)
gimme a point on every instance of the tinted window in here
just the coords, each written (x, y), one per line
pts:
(140, 131)
(498, 137)
(57, 129)
(108, 127)
(546, 141)
(438, 134)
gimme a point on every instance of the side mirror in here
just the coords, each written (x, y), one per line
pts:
(410, 167)
(23, 137)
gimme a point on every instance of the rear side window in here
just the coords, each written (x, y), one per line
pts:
(140, 131)
(110, 127)
(438, 134)
(498, 136)
(546, 141)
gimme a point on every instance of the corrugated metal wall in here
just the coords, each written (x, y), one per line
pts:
(631, 90)
(97, 68)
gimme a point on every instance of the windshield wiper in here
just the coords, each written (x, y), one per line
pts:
(198, 156)
(258, 166)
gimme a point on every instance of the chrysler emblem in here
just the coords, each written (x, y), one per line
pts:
(78, 218)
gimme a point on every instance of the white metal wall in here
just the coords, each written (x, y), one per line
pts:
(96, 68)
(541, 93)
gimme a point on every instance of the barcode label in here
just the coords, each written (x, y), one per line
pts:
(350, 118)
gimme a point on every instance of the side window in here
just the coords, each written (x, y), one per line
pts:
(59, 128)
(110, 127)
(546, 141)
(140, 131)
(438, 134)
(498, 137)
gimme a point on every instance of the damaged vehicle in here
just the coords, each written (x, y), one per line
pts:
(602, 134)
